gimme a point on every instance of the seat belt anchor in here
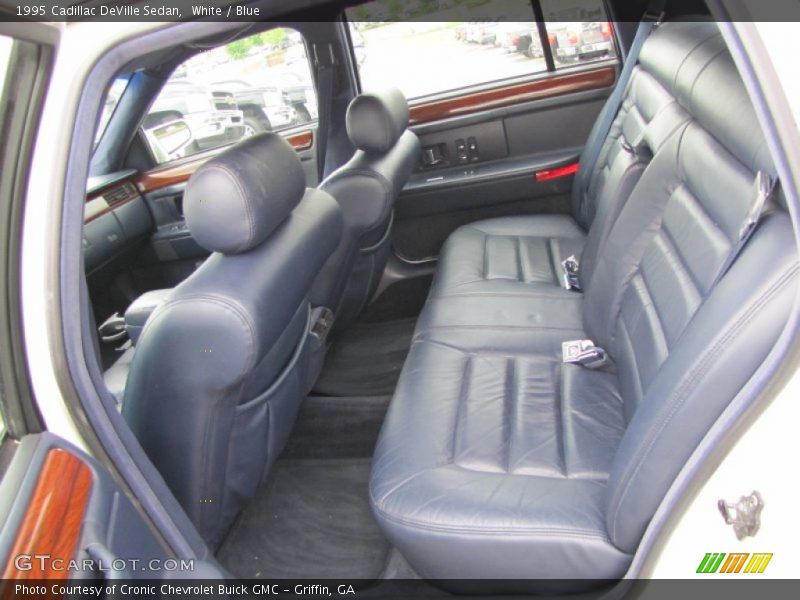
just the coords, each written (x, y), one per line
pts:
(654, 17)
(321, 61)
(765, 185)
(583, 353)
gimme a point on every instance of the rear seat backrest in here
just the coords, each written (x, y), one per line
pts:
(682, 345)
(648, 116)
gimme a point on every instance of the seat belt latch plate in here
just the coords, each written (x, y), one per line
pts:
(584, 353)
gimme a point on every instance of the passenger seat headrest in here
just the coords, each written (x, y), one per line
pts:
(234, 201)
(376, 120)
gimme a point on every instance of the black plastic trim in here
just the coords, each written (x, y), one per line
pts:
(462, 175)
(29, 69)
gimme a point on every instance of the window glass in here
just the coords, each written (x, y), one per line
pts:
(578, 32)
(255, 84)
(112, 99)
(428, 47)
(443, 45)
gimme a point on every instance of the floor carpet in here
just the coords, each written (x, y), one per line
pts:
(366, 359)
(311, 520)
(337, 427)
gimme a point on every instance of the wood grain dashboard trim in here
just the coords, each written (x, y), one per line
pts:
(166, 176)
(54, 517)
(97, 203)
(557, 85)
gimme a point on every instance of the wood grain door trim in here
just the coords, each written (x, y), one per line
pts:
(54, 517)
(171, 175)
(538, 89)
(557, 85)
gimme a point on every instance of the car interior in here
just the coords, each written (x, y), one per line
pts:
(472, 332)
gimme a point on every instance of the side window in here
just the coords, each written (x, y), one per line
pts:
(255, 84)
(578, 32)
(430, 47)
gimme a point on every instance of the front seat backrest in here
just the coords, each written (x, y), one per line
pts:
(220, 367)
(366, 188)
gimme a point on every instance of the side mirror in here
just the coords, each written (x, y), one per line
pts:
(168, 139)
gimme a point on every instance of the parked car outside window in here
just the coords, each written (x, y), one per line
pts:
(249, 86)
(438, 53)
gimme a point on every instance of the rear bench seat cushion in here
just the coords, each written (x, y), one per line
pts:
(494, 458)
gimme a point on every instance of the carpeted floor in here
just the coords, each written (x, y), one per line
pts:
(311, 520)
(403, 299)
(366, 359)
(337, 427)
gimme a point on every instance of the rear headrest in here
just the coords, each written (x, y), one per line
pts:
(237, 199)
(671, 45)
(691, 60)
(376, 120)
(718, 100)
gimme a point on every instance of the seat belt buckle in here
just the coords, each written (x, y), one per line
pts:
(583, 353)
(570, 268)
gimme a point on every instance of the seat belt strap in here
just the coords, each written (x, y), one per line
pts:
(764, 187)
(602, 126)
(325, 65)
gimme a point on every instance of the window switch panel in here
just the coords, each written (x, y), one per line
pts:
(472, 149)
(461, 151)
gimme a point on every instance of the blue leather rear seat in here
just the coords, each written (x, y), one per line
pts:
(496, 459)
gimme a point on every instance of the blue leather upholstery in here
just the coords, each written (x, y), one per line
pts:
(650, 113)
(220, 367)
(496, 459)
(233, 205)
(366, 188)
(376, 120)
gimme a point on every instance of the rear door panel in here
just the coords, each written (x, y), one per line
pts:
(516, 139)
